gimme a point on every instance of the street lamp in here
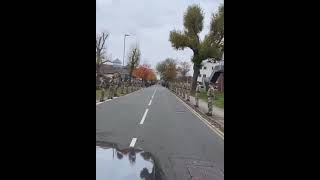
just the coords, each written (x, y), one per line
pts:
(124, 47)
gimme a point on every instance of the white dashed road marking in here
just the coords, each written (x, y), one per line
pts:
(144, 116)
(152, 96)
(133, 142)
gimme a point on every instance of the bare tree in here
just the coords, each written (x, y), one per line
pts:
(100, 51)
(184, 68)
(133, 59)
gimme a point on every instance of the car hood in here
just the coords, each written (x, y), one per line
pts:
(125, 164)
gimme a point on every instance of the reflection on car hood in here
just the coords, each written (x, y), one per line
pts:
(125, 164)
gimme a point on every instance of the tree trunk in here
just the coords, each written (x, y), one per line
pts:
(196, 72)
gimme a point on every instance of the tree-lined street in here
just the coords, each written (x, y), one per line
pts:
(160, 101)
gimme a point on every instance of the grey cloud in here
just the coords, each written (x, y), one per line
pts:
(150, 23)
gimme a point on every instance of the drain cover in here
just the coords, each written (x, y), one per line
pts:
(187, 168)
(192, 162)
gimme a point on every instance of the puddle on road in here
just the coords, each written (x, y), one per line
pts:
(125, 164)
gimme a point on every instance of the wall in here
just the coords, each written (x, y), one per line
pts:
(220, 82)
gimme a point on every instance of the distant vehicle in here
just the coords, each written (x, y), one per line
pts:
(163, 83)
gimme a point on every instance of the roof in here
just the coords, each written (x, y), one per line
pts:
(208, 61)
(116, 61)
(109, 69)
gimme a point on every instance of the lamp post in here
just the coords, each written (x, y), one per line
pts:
(124, 47)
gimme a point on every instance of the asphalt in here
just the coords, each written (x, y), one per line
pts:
(173, 134)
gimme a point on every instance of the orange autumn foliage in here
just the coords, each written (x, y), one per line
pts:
(145, 72)
(151, 76)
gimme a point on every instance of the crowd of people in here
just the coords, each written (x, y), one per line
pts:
(114, 83)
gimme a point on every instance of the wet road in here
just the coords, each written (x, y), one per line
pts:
(156, 121)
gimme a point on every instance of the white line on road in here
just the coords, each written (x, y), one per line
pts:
(133, 142)
(117, 97)
(98, 103)
(103, 102)
(144, 116)
(152, 96)
(154, 92)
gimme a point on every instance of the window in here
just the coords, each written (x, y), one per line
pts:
(204, 76)
(199, 75)
(204, 67)
(212, 68)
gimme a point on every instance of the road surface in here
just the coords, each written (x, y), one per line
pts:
(156, 121)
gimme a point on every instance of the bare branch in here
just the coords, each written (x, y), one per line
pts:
(104, 37)
(100, 42)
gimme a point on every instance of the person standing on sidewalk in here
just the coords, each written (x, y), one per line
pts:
(176, 87)
(127, 86)
(210, 95)
(122, 86)
(130, 84)
(111, 88)
(188, 92)
(102, 87)
(183, 91)
(197, 94)
(117, 84)
(133, 85)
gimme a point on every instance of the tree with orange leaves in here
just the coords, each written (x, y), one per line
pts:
(151, 76)
(145, 73)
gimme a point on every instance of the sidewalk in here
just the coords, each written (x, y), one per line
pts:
(203, 106)
(217, 113)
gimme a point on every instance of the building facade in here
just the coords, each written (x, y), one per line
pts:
(207, 69)
(212, 71)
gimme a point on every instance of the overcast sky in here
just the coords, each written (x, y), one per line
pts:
(149, 23)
